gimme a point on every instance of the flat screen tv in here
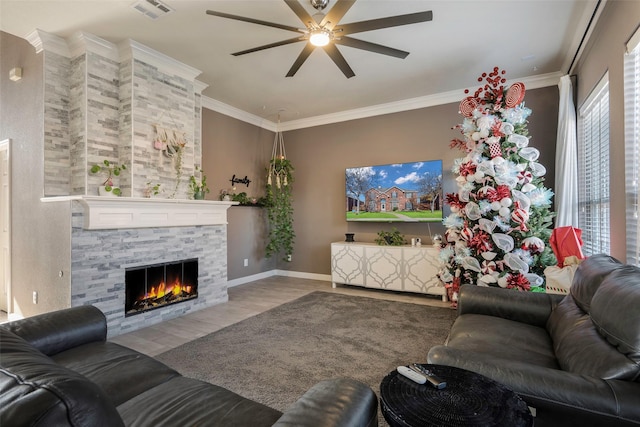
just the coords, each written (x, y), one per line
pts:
(399, 192)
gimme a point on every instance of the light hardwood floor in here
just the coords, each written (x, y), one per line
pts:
(246, 301)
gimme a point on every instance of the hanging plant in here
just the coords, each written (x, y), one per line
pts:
(279, 210)
(278, 201)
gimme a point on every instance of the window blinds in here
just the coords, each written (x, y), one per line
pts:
(593, 167)
(632, 145)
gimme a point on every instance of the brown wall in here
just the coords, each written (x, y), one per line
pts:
(605, 52)
(38, 230)
(233, 147)
(320, 156)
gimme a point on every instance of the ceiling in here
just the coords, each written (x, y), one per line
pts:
(530, 39)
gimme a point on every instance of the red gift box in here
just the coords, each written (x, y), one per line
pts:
(566, 242)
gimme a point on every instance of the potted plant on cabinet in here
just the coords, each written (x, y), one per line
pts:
(111, 169)
(390, 238)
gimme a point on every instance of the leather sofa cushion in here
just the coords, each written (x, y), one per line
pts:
(188, 402)
(69, 328)
(38, 392)
(580, 349)
(110, 365)
(588, 278)
(502, 339)
(615, 311)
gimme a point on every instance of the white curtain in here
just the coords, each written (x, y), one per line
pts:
(566, 190)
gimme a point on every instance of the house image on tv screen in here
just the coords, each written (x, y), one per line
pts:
(401, 192)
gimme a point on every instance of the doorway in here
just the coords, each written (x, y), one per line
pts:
(5, 230)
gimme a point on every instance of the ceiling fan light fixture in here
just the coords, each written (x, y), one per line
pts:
(320, 37)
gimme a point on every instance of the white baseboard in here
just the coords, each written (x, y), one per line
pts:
(303, 275)
(276, 272)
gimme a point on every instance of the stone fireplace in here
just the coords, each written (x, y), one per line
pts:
(111, 236)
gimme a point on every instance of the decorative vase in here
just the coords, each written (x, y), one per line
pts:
(198, 195)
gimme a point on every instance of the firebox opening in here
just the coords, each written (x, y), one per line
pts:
(158, 285)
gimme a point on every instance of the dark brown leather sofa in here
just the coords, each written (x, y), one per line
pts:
(57, 369)
(575, 359)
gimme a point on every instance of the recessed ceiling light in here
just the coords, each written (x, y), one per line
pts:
(152, 9)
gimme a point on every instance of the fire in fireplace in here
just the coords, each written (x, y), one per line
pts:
(154, 286)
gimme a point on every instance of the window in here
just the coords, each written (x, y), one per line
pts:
(593, 170)
(632, 144)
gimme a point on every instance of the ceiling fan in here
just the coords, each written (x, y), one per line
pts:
(325, 31)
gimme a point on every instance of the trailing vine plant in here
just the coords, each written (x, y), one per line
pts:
(279, 209)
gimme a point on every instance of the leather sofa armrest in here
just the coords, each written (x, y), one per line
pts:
(57, 331)
(337, 402)
(562, 397)
(526, 307)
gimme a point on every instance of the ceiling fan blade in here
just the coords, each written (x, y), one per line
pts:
(337, 57)
(269, 46)
(371, 47)
(336, 13)
(300, 11)
(300, 59)
(255, 21)
(376, 24)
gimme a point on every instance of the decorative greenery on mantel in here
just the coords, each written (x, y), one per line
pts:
(198, 187)
(111, 169)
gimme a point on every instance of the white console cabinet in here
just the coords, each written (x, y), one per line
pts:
(396, 268)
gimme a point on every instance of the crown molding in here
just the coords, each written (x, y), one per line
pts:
(41, 41)
(454, 96)
(237, 113)
(82, 42)
(199, 86)
(130, 49)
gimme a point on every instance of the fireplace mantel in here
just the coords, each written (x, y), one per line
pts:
(104, 213)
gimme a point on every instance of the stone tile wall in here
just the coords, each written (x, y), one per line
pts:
(103, 104)
(56, 124)
(168, 101)
(102, 118)
(77, 129)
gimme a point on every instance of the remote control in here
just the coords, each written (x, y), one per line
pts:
(412, 375)
(430, 376)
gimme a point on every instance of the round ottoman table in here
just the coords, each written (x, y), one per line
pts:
(469, 399)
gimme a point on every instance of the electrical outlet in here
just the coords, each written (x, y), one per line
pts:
(35, 297)
(246, 262)
(289, 257)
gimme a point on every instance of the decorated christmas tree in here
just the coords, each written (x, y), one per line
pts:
(500, 222)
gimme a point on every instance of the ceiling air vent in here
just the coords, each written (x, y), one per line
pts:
(152, 9)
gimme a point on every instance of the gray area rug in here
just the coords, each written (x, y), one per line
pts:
(276, 356)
